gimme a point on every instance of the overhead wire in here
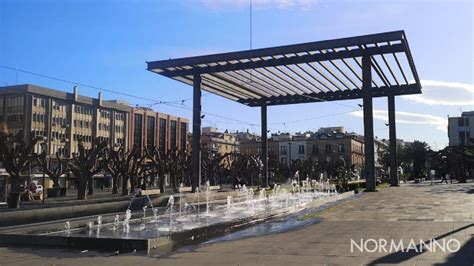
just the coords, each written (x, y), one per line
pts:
(176, 103)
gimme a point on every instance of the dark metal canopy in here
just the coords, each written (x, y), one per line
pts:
(310, 72)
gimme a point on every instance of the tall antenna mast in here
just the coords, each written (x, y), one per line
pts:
(250, 39)
(250, 25)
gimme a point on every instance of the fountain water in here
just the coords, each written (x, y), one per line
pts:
(229, 207)
(155, 215)
(68, 227)
(208, 191)
(169, 209)
(116, 222)
(244, 205)
(126, 221)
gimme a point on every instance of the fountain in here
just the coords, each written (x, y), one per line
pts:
(126, 221)
(155, 215)
(116, 222)
(208, 191)
(68, 227)
(229, 207)
(241, 209)
(169, 209)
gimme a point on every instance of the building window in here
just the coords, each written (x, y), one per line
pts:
(183, 135)
(462, 140)
(150, 133)
(315, 149)
(137, 131)
(301, 149)
(340, 148)
(162, 137)
(283, 150)
(461, 122)
(328, 147)
(173, 131)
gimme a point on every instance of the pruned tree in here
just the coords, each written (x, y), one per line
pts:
(17, 155)
(116, 161)
(85, 164)
(212, 164)
(53, 167)
(184, 167)
(235, 165)
(157, 161)
(254, 167)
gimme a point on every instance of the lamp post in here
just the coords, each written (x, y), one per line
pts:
(44, 146)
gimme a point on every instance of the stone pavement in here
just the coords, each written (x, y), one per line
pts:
(414, 211)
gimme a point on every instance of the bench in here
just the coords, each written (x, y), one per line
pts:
(149, 192)
(189, 189)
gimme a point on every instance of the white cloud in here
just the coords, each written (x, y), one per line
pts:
(258, 4)
(444, 93)
(409, 118)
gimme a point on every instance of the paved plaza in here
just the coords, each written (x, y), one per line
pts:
(412, 211)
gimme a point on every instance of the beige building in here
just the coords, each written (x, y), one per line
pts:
(152, 129)
(218, 142)
(62, 118)
(332, 147)
(459, 129)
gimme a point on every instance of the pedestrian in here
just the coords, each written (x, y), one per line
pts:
(444, 179)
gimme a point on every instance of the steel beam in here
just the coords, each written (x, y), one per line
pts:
(280, 50)
(368, 124)
(393, 141)
(334, 95)
(196, 145)
(264, 151)
(158, 65)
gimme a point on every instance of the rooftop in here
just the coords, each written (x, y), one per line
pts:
(309, 72)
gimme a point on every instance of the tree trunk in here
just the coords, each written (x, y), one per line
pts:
(90, 186)
(124, 186)
(55, 182)
(15, 183)
(132, 184)
(81, 189)
(161, 183)
(115, 185)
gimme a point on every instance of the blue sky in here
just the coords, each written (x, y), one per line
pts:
(106, 44)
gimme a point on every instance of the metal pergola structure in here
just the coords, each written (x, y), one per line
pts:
(362, 67)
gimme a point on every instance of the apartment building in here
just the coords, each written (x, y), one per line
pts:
(218, 142)
(62, 118)
(150, 129)
(328, 147)
(460, 128)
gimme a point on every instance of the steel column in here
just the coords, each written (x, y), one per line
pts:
(196, 145)
(368, 124)
(264, 151)
(393, 141)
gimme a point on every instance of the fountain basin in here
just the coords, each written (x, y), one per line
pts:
(161, 242)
